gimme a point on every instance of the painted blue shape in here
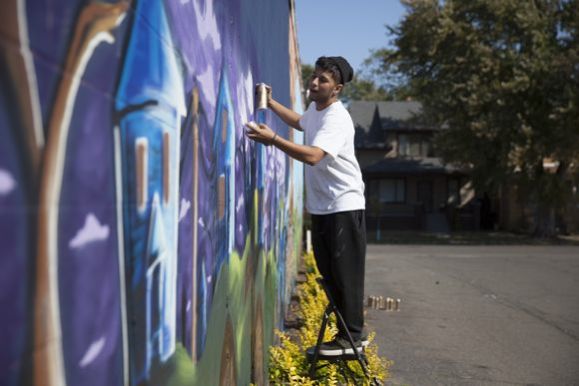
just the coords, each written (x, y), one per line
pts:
(220, 222)
(150, 103)
(150, 69)
(224, 148)
(157, 267)
(203, 309)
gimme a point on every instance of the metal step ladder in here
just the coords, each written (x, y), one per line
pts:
(313, 353)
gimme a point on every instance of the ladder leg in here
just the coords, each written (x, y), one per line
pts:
(340, 320)
(349, 373)
(319, 342)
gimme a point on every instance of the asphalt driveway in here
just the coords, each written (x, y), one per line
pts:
(477, 315)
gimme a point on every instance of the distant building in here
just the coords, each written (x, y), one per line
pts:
(518, 211)
(407, 185)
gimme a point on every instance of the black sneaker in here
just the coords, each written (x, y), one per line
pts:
(340, 346)
(363, 339)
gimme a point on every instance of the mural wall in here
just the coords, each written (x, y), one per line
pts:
(143, 239)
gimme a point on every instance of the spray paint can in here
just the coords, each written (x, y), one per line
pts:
(261, 96)
(382, 303)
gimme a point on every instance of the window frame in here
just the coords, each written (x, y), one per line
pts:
(398, 181)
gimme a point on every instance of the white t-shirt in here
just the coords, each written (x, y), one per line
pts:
(335, 183)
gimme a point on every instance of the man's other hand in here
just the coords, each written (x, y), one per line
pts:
(260, 133)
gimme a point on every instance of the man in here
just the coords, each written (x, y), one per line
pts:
(334, 191)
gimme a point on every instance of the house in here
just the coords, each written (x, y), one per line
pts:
(407, 186)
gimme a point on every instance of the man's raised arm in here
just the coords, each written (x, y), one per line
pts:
(289, 116)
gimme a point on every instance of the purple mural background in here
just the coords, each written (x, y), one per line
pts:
(144, 239)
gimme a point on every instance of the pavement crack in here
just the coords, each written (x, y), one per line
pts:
(518, 306)
(537, 315)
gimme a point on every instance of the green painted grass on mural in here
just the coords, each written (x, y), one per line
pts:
(177, 371)
(246, 303)
(230, 305)
(288, 364)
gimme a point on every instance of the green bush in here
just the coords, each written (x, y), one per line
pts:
(288, 363)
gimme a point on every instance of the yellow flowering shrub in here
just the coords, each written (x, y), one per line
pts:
(288, 362)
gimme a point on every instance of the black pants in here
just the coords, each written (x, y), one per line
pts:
(339, 241)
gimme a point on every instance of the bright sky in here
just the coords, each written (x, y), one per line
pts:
(344, 28)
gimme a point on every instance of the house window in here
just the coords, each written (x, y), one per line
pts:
(166, 167)
(141, 171)
(403, 145)
(427, 148)
(415, 145)
(221, 196)
(392, 190)
(224, 117)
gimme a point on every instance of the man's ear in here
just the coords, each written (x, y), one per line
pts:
(338, 89)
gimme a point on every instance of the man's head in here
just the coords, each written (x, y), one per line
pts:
(328, 79)
(341, 70)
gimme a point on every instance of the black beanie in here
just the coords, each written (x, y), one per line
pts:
(346, 70)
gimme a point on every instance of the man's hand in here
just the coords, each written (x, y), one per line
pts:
(268, 92)
(260, 133)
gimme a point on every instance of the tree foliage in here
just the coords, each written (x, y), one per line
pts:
(502, 76)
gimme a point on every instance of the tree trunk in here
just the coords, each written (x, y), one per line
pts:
(545, 225)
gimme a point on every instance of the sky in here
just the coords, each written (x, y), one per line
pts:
(344, 28)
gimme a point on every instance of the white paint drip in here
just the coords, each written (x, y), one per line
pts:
(92, 352)
(7, 182)
(184, 208)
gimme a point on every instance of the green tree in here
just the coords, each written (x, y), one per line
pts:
(361, 88)
(502, 76)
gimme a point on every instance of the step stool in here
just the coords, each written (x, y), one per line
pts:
(313, 353)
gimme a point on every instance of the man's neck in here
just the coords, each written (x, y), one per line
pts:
(324, 104)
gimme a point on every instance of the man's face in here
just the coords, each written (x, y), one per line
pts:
(323, 86)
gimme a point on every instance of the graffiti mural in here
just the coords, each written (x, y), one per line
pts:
(144, 240)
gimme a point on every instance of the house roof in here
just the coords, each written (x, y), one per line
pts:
(392, 115)
(373, 119)
(406, 166)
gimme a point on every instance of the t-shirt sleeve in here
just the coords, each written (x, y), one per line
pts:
(302, 121)
(331, 136)
(304, 118)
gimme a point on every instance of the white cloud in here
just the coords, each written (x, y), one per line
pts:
(184, 208)
(93, 351)
(91, 231)
(7, 182)
(206, 22)
(208, 83)
(244, 95)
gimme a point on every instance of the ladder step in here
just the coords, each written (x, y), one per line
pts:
(331, 358)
